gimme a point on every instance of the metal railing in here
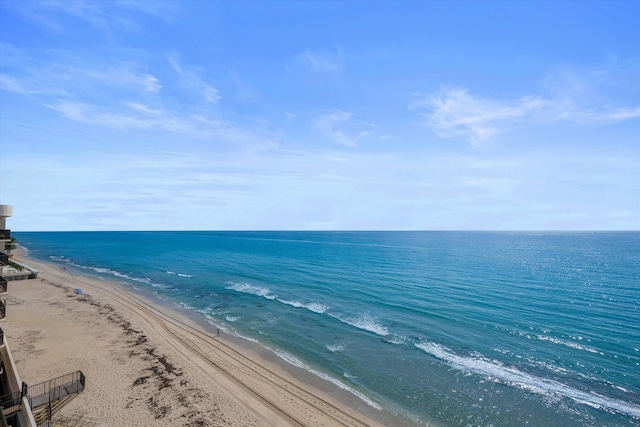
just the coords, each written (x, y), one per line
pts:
(3, 285)
(11, 402)
(3, 309)
(4, 258)
(5, 234)
(45, 393)
(49, 391)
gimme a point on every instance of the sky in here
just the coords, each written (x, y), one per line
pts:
(320, 115)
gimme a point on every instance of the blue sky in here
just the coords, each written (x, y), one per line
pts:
(339, 115)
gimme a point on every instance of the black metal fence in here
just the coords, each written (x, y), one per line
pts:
(4, 258)
(44, 393)
(3, 285)
(11, 402)
(3, 309)
(57, 388)
(5, 235)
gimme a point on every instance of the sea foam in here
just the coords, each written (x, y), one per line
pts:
(251, 289)
(315, 307)
(494, 370)
(365, 322)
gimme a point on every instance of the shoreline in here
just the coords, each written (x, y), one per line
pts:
(171, 353)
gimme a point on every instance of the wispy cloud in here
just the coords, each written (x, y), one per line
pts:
(12, 84)
(619, 114)
(322, 61)
(455, 112)
(127, 75)
(289, 117)
(191, 79)
(124, 95)
(165, 10)
(106, 17)
(339, 127)
(61, 73)
(137, 116)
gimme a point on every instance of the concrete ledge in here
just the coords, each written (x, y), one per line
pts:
(30, 273)
(14, 274)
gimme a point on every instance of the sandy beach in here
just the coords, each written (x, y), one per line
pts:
(148, 365)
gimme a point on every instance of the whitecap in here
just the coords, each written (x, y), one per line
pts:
(296, 304)
(496, 371)
(365, 322)
(251, 289)
(335, 347)
(396, 339)
(314, 306)
(567, 343)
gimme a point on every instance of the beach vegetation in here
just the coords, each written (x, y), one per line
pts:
(16, 266)
(10, 245)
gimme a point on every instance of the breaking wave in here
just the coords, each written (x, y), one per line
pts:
(494, 370)
(251, 289)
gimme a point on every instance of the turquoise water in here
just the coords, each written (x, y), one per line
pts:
(462, 328)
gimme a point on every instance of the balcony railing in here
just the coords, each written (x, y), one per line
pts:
(55, 389)
(11, 402)
(3, 309)
(4, 258)
(3, 285)
(45, 393)
(5, 234)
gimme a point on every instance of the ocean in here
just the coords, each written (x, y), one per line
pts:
(454, 328)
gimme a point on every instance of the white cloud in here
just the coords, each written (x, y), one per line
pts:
(125, 74)
(12, 84)
(322, 62)
(132, 116)
(612, 115)
(340, 128)
(455, 112)
(243, 91)
(165, 10)
(325, 189)
(63, 73)
(191, 79)
(106, 17)
(137, 116)
(122, 94)
(289, 117)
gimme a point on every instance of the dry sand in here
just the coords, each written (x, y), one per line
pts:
(148, 366)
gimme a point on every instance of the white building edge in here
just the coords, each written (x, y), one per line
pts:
(19, 402)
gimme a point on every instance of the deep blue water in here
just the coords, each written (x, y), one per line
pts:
(461, 328)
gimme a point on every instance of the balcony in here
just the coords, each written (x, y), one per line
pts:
(45, 398)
